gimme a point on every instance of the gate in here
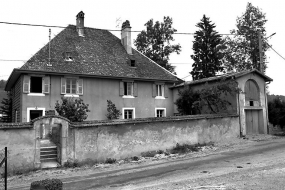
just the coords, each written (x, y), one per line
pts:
(3, 169)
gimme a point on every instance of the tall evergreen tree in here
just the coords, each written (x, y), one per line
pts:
(155, 42)
(242, 52)
(6, 109)
(207, 55)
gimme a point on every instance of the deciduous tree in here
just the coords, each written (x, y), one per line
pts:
(154, 42)
(242, 52)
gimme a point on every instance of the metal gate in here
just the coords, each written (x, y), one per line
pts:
(3, 169)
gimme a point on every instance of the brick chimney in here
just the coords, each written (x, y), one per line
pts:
(80, 23)
(126, 38)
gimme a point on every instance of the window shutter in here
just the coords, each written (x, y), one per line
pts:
(121, 88)
(63, 85)
(46, 85)
(135, 89)
(165, 91)
(26, 84)
(80, 86)
(153, 90)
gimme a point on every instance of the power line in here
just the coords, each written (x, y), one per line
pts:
(275, 51)
(111, 30)
(11, 60)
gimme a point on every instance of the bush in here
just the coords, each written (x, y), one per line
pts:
(110, 161)
(73, 109)
(71, 164)
(276, 112)
(180, 149)
(48, 184)
(149, 154)
(135, 158)
(113, 112)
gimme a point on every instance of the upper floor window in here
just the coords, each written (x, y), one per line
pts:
(36, 84)
(128, 89)
(159, 91)
(72, 86)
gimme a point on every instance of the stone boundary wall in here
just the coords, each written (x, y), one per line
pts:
(99, 140)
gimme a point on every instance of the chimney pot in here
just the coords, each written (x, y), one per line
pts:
(126, 38)
(80, 23)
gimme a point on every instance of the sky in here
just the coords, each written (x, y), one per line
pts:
(22, 42)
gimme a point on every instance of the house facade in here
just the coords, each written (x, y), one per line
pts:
(250, 104)
(93, 65)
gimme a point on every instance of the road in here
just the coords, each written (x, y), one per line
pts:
(257, 166)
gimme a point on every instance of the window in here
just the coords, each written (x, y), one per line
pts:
(36, 85)
(160, 112)
(67, 56)
(70, 86)
(128, 88)
(73, 86)
(159, 90)
(128, 113)
(33, 113)
(133, 63)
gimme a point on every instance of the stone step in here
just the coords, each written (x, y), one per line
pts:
(48, 156)
(48, 152)
(48, 159)
(49, 164)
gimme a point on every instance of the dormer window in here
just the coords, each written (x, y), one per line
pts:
(67, 56)
(133, 63)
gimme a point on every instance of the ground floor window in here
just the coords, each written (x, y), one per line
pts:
(33, 113)
(160, 112)
(128, 113)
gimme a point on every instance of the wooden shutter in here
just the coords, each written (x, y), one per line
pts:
(166, 91)
(80, 86)
(63, 85)
(153, 90)
(46, 85)
(26, 84)
(135, 89)
(121, 88)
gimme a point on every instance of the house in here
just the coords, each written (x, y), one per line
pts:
(93, 65)
(250, 104)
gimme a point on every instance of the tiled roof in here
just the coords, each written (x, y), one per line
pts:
(98, 53)
(228, 75)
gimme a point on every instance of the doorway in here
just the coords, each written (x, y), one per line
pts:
(254, 123)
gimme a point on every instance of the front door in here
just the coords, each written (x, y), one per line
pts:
(35, 114)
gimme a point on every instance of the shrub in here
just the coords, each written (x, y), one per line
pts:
(113, 112)
(73, 109)
(71, 164)
(110, 161)
(49, 184)
(149, 154)
(180, 149)
(135, 158)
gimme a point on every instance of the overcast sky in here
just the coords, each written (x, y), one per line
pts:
(21, 42)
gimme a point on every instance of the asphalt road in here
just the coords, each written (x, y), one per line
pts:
(260, 166)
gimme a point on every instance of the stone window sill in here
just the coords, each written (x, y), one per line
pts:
(159, 97)
(128, 96)
(72, 95)
(36, 94)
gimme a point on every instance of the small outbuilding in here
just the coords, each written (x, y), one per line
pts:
(250, 103)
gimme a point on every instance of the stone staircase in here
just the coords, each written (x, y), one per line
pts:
(48, 154)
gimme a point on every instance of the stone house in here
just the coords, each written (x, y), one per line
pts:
(250, 104)
(96, 66)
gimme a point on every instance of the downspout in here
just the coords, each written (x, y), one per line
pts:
(266, 107)
(240, 131)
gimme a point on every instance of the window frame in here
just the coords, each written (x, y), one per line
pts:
(34, 108)
(27, 85)
(79, 82)
(158, 109)
(134, 112)
(126, 88)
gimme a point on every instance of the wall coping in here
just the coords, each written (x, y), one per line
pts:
(95, 123)
(50, 116)
(16, 125)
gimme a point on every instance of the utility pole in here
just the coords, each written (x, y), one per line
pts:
(261, 69)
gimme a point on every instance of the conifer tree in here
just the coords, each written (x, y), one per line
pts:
(6, 109)
(207, 55)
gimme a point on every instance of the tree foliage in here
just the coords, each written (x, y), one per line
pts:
(210, 99)
(113, 112)
(207, 50)
(242, 52)
(73, 109)
(6, 108)
(276, 112)
(155, 42)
